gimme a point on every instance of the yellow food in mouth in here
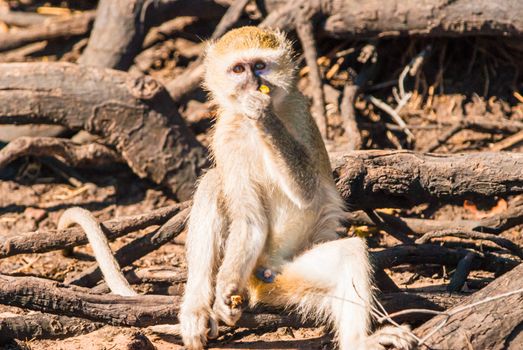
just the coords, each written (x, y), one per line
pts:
(264, 89)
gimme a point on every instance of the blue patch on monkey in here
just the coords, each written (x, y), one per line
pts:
(265, 275)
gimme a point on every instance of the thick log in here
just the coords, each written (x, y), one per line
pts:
(367, 19)
(144, 310)
(496, 324)
(384, 179)
(135, 115)
(49, 296)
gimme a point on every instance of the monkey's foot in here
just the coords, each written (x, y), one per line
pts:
(224, 308)
(398, 338)
(196, 326)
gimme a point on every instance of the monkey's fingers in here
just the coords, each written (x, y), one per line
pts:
(236, 301)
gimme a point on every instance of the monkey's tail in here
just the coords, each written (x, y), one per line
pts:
(102, 252)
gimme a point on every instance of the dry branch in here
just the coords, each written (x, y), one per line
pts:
(491, 325)
(74, 25)
(305, 30)
(374, 179)
(65, 150)
(502, 242)
(136, 249)
(496, 224)
(135, 115)
(48, 296)
(143, 310)
(439, 255)
(44, 241)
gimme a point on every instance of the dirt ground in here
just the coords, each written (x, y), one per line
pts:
(460, 79)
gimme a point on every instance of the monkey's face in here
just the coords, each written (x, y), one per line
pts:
(236, 73)
(243, 62)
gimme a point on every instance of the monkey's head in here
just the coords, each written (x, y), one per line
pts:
(245, 58)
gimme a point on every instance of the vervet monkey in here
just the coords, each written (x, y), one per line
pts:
(263, 221)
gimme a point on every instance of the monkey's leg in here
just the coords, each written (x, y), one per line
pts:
(206, 232)
(332, 282)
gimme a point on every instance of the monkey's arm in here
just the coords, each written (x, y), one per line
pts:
(248, 232)
(289, 159)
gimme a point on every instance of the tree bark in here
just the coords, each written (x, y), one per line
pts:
(134, 114)
(385, 179)
(379, 19)
(44, 326)
(497, 324)
(75, 25)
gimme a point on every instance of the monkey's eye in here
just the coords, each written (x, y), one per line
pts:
(238, 69)
(259, 65)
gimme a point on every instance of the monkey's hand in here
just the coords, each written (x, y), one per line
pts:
(254, 104)
(196, 325)
(228, 303)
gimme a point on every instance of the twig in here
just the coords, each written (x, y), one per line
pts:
(305, 30)
(508, 142)
(21, 53)
(502, 242)
(72, 154)
(436, 254)
(443, 138)
(496, 224)
(21, 18)
(390, 111)
(382, 224)
(348, 114)
(462, 271)
(230, 17)
(350, 93)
